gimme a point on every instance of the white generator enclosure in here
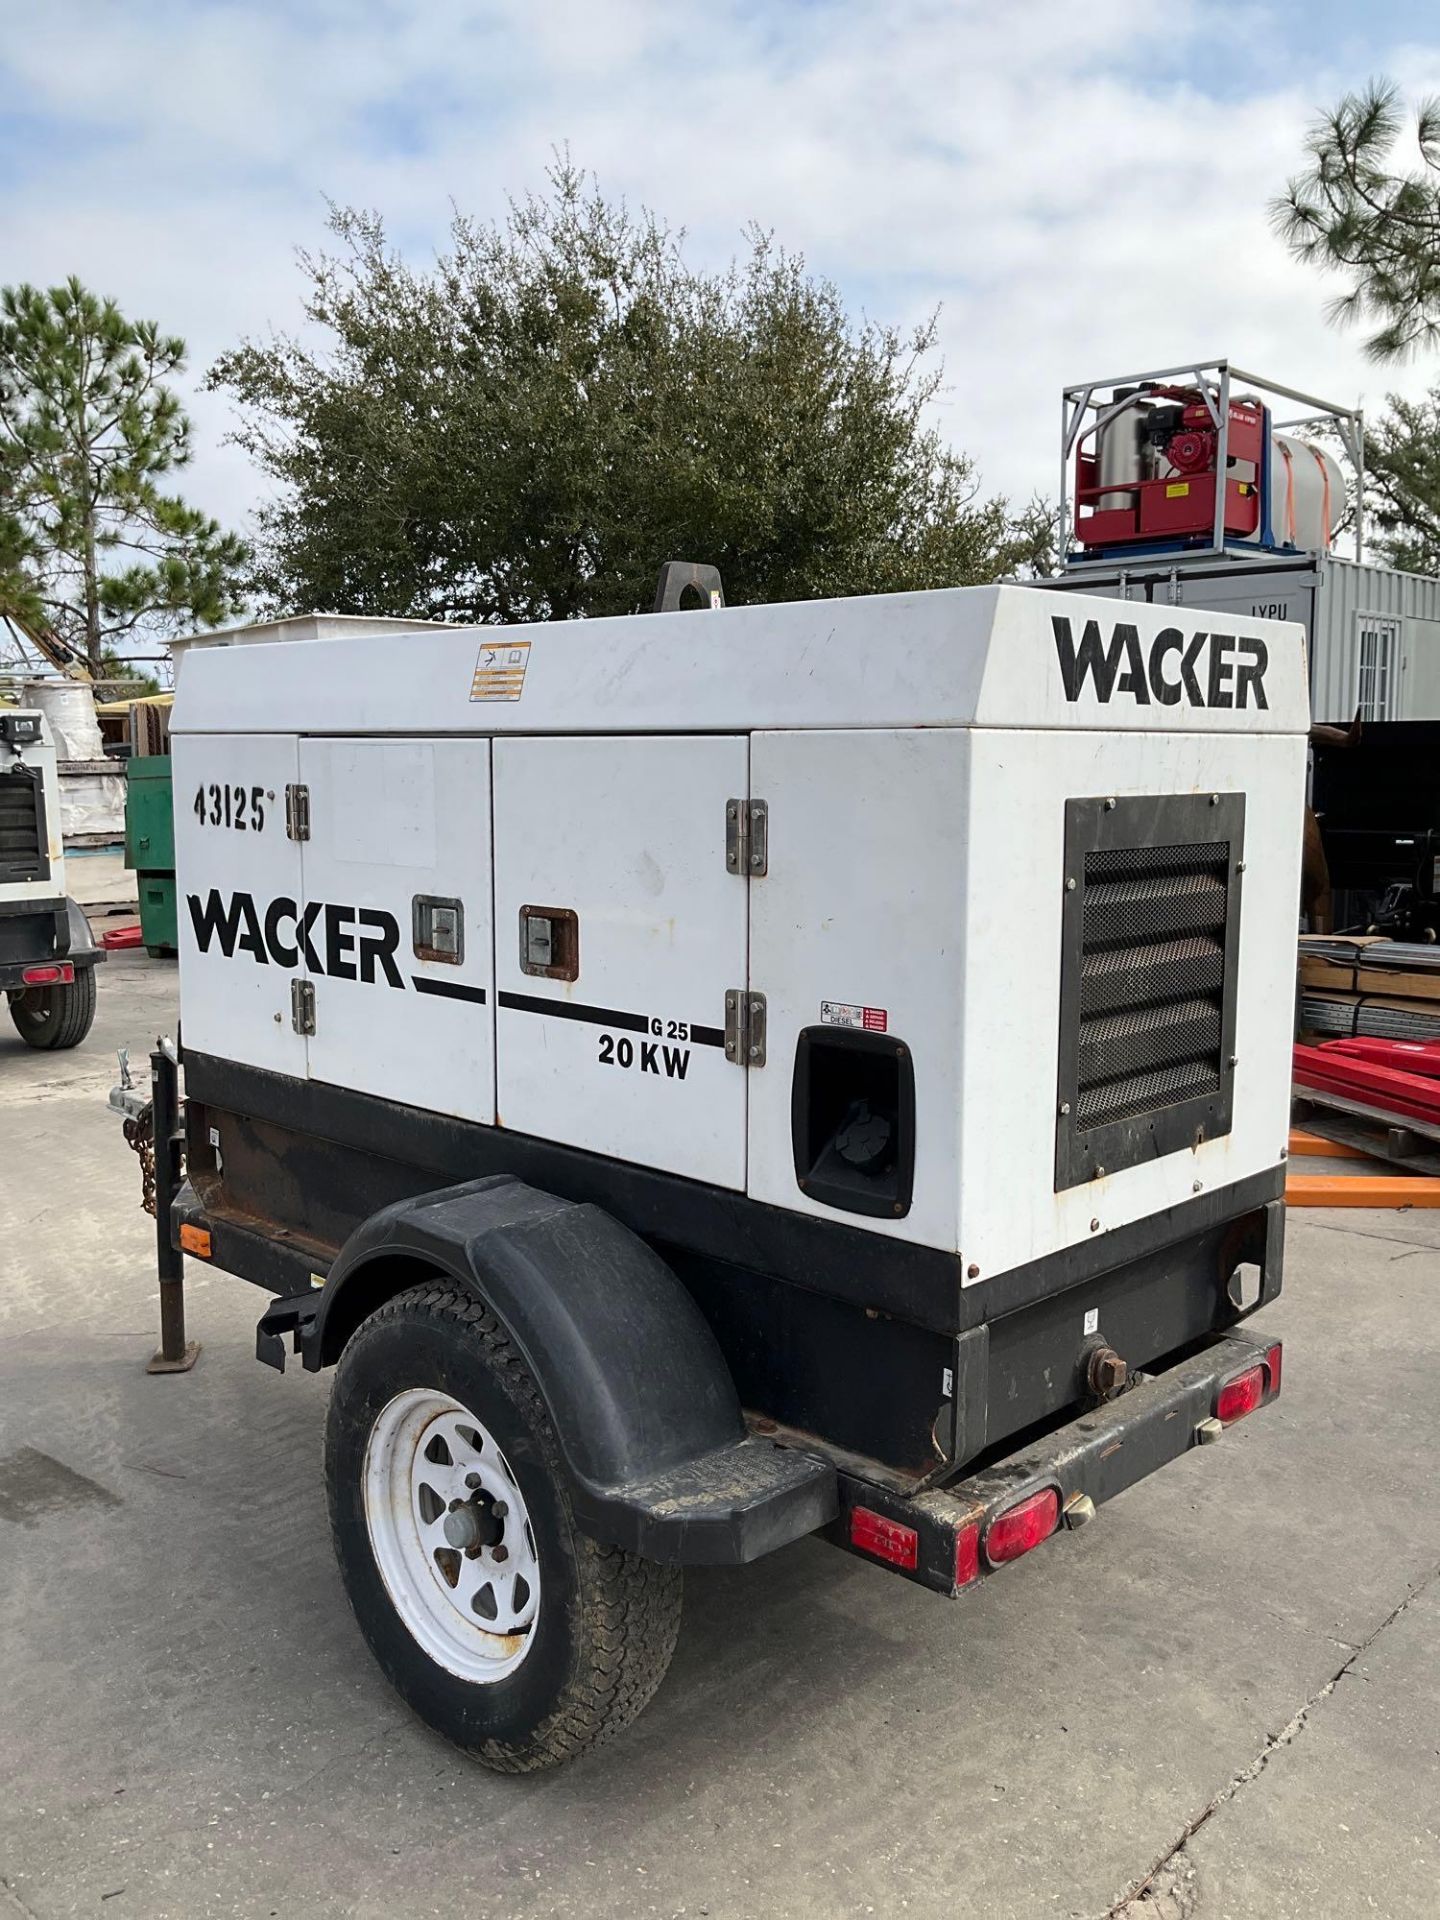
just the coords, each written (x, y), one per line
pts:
(964, 919)
(717, 1077)
(32, 852)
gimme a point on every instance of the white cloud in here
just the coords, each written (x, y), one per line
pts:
(1045, 170)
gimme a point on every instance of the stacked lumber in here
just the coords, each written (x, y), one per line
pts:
(1362, 986)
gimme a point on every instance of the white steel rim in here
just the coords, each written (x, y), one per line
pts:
(451, 1535)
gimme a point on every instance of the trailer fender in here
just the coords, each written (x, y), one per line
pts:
(81, 947)
(642, 1402)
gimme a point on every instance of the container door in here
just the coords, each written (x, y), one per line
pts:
(395, 938)
(237, 874)
(619, 929)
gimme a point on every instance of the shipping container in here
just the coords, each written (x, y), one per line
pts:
(1373, 632)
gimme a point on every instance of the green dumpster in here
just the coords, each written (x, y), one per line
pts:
(150, 849)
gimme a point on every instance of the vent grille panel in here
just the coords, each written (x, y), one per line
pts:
(1153, 1026)
(1147, 979)
(22, 847)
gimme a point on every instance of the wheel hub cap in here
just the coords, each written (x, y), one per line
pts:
(451, 1535)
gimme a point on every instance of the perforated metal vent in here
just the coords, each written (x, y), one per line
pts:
(23, 853)
(1147, 978)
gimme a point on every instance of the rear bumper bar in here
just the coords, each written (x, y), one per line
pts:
(43, 933)
(1085, 1463)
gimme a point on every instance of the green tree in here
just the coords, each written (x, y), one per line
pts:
(1354, 212)
(527, 430)
(1402, 472)
(91, 546)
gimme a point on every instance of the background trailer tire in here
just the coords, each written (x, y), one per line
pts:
(58, 1017)
(505, 1628)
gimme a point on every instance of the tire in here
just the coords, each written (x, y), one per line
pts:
(54, 1018)
(426, 1375)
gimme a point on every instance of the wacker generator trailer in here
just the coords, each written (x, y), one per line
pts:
(716, 1077)
(47, 955)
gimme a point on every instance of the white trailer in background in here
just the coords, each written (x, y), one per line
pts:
(47, 955)
(705, 1080)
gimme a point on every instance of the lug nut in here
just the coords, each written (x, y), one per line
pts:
(472, 1480)
(499, 1509)
(500, 1553)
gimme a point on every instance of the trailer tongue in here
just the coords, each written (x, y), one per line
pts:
(702, 1081)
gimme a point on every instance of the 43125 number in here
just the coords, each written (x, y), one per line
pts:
(242, 808)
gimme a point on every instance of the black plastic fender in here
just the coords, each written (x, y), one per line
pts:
(82, 949)
(641, 1399)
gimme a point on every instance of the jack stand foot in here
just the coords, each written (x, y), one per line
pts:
(183, 1365)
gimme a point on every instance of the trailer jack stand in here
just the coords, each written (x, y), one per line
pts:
(175, 1353)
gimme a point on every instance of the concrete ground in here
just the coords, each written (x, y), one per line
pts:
(1222, 1699)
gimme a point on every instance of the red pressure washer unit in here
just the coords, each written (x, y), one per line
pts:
(1162, 465)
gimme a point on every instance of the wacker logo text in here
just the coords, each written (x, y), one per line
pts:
(345, 943)
(1196, 669)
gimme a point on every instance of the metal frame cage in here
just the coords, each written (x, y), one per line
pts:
(1086, 407)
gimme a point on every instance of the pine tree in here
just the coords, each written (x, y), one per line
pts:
(92, 547)
(1352, 212)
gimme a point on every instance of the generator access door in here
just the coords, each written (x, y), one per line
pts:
(238, 872)
(619, 930)
(394, 942)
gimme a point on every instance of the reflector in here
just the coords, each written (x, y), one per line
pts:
(886, 1539)
(1241, 1395)
(1023, 1526)
(58, 974)
(967, 1554)
(1272, 1365)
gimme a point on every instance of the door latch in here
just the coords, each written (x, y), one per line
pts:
(745, 1028)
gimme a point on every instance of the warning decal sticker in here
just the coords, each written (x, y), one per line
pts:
(500, 671)
(840, 1013)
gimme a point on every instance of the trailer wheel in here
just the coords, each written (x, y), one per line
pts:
(502, 1625)
(56, 1017)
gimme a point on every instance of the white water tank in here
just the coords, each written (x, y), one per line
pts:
(1307, 494)
(69, 706)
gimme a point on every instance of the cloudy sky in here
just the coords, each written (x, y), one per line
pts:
(1081, 184)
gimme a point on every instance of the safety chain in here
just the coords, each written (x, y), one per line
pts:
(140, 1135)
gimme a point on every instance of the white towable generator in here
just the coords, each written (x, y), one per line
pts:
(710, 1078)
(47, 955)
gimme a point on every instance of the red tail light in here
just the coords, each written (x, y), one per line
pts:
(967, 1554)
(1272, 1366)
(1023, 1526)
(59, 974)
(886, 1539)
(1240, 1396)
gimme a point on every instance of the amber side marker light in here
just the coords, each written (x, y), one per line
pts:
(195, 1240)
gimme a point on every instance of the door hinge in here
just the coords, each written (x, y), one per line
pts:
(297, 811)
(745, 1028)
(302, 1006)
(747, 837)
